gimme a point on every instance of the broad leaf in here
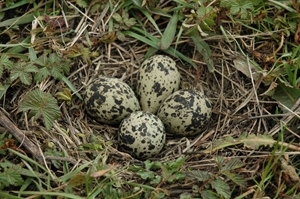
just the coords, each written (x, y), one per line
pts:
(286, 95)
(221, 187)
(208, 194)
(24, 72)
(41, 104)
(236, 178)
(199, 175)
(232, 165)
(255, 141)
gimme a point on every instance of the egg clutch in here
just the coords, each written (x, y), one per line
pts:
(146, 113)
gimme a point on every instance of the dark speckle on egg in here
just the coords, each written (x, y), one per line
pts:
(157, 78)
(185, 112)
(142, 135)
(109, 100)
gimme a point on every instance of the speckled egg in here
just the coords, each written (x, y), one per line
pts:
(185, 112)
(142, 135)
(158, 77)
(109, 100)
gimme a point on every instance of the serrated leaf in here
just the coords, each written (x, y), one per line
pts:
(222, 143)
(23, 72)
(117, 17)
(251, 141)
(130, 22)
(56, 72)
(236, 178)
(152, 164)
(222, 188)
(120, 36)
(42, 74)
(4, 89)
(220, 160)
(32, 54)
(4, 61)
(11, 176)
(255, 141)
(41, 104)
(169, 32)
(199, 175)
(208, 194)
(232, 164)
(146, 174)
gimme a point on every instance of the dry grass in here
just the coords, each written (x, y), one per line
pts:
(239, 105)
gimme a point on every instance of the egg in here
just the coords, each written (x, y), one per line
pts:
(109, 100)
(142, 135)
(157, 78)
(185, 112)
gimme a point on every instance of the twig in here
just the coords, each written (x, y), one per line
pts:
(20, 136)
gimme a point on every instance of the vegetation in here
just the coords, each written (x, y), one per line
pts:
(243, 54)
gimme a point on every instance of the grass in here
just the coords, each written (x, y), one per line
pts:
(244, 55)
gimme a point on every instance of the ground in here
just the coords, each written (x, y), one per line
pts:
(51, 148)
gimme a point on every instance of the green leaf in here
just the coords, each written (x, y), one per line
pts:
(220, 160)
(41, 104)
(232, 165)
(222, 188)
(169, 32)
(4, 88)
(255, 141)
(23, 72)
(32, 54)
(71, 86)
(5, 62)
(117, 17)
(18, 20)
(286, 95)
(205, 50)
(11, 176)
(64, 95)
(208, 194)
(146, 174)
(154, 42)
(236, 178)
(152, 164)
(42, 74)
(170, 170)
(251, 141)
(199, 175)
(81, 3)
(241, 7)
(130, 22)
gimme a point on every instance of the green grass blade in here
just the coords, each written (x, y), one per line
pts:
(15, 5)
(142, 39)
(49, 193)
(8, 196)
(171, 51)
(204, 49)
(149, 17)
(18, 20)
(169, 32)
(154, 42)
(71, 86)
